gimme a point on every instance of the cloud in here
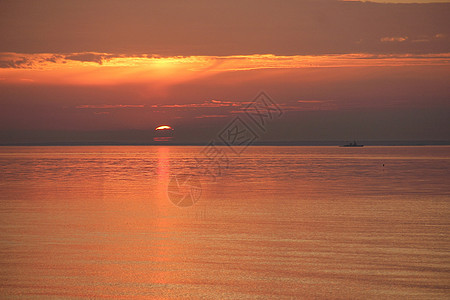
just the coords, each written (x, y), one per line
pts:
(159, 74)
(415, 39)
(226, 108)
(41, 60)
(313, 101)
(108, 106)
(394, 39)
(429, 38)
(12, 60)
(205, 104)
(310, 105)
(205, 63)
(89, 57)
(211, 116)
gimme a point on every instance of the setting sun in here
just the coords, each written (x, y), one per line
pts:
(164, 127)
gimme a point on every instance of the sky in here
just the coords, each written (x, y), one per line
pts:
(112, 71)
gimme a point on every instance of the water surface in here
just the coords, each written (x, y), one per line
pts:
(278, 222)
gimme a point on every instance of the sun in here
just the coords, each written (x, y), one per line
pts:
(164, 127)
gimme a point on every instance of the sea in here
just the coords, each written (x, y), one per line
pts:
(193, 222)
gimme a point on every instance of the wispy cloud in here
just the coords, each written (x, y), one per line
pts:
(394, 39)
(310, 105)
(209, 108)
(414, 39)
(313, 101)
(211, 116)
(42, 60)
(205, 104)
(108, 106)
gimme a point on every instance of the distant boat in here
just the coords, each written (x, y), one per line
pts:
(354, 144)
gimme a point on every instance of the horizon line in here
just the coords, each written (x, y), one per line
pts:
(262, 143)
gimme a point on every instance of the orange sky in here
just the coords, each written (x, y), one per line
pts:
(112, 69)
(99, 66)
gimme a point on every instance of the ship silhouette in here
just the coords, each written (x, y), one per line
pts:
(354, 144)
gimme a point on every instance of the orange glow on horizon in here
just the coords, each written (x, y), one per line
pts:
(110, 69)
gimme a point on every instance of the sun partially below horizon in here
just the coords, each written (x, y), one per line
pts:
(164, 127)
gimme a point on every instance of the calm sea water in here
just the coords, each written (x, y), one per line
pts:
(278, 222)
